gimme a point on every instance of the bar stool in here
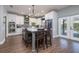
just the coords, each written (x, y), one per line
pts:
(27, 37)
(40, 39)
(48, 38)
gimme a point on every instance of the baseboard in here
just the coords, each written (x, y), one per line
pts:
(14, 35)
(2, 42)
(69, 38)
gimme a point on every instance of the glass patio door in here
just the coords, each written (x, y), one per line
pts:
(75, 27)
(64, 27)
(69, 27)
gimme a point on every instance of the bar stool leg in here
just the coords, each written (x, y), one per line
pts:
(46, 41)
(50, 40)
(37, 45)
(43, 43)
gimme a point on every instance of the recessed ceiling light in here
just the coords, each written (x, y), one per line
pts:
(42, 11)
(29, 8)
(11, 6)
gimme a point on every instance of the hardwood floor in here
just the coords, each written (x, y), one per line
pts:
(60, 45)
(13, 45)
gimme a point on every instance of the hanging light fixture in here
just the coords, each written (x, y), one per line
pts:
(33, 9)
(32, 14)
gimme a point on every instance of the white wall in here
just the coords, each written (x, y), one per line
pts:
(2, 25)
(53, 15)
(18, 20)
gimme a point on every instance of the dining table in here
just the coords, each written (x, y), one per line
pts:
(33, 31)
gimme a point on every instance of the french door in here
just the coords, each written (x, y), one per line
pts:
(63, 27)
(69, 27)
(75, 27)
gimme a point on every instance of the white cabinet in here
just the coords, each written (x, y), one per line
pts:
(18, 20)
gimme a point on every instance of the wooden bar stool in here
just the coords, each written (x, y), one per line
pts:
(27, 37)
(48, 38)
(40, 39)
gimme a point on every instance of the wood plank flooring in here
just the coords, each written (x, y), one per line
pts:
(60, 45)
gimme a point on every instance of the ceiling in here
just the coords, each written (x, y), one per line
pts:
(40, 10)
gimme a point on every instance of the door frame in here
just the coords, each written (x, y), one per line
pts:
(60, 30)
(5, 24)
